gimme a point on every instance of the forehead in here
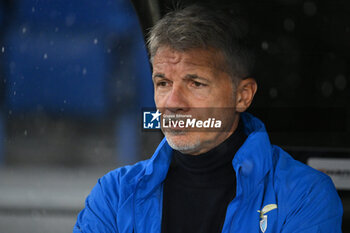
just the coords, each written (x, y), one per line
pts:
(198, 57)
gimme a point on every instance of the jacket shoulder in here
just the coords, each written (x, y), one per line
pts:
(121, 182)
(105, 199)
(303, 193)
(293, 173)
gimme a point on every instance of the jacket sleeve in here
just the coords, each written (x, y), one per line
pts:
(319, 211)
(98, 215)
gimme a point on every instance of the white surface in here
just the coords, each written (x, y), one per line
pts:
(36, 224)
(35, 200)
(46, 187)
(338, 169)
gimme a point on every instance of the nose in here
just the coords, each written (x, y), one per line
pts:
(177, 100)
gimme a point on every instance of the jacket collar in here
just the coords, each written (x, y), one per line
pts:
(251, 162)
(254, 159)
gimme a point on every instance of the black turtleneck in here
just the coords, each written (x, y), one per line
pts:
(198, 189)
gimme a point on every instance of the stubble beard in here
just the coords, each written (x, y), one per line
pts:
(184, 146)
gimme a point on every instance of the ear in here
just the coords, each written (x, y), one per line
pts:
(245, 92)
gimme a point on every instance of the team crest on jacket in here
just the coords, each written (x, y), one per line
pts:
(263, 217)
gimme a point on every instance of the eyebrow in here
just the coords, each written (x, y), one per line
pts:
(194, 76)
(188, 76)
(158, 75)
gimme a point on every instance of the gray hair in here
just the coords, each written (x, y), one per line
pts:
(201, 27)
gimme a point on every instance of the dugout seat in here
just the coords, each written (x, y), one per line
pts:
(66, 58)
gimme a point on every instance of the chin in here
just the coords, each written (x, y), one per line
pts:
(183, 141)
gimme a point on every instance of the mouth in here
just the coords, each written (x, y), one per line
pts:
(174, 124)
(175, 132)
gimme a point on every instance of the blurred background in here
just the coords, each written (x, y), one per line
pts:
(74, 76)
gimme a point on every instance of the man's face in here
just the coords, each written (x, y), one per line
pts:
(186, 81)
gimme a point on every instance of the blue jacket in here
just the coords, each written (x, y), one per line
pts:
(275, 193)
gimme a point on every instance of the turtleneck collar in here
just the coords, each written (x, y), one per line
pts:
(206, 168)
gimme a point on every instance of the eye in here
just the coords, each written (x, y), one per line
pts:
(198, 84)
(162, 84)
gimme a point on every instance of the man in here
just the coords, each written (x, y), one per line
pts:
(227, 180)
